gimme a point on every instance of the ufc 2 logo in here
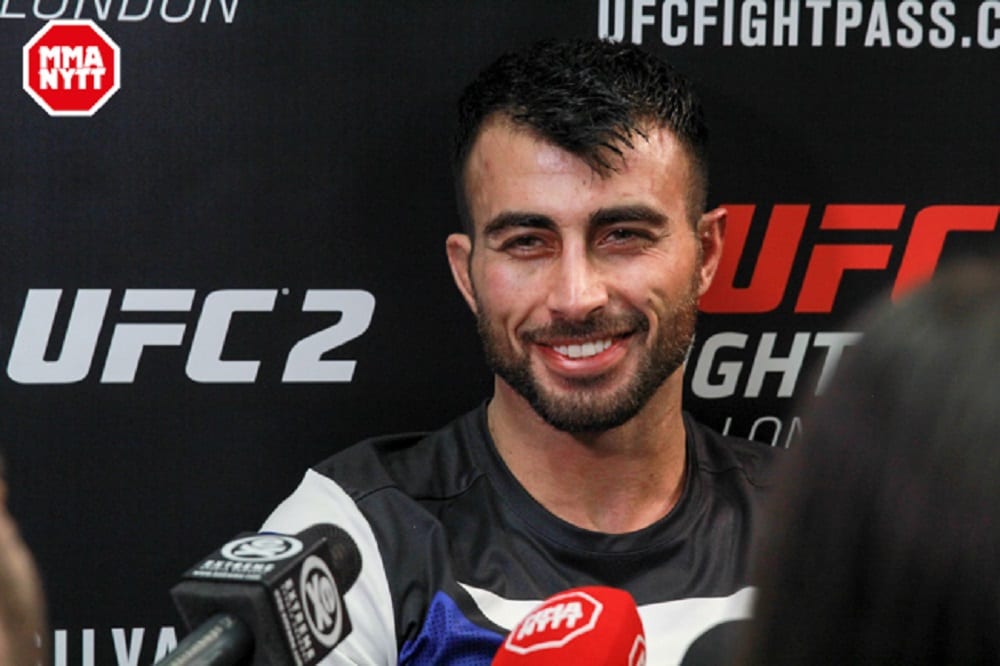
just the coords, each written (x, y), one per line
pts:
(304, 363)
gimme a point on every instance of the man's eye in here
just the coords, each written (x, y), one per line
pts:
(522, 243)
(625, 235)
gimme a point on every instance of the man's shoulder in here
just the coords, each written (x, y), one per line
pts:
(419, 463)
(718, 454)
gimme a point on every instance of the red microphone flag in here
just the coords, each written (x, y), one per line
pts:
(584, 625)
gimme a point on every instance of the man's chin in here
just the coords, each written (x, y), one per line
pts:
(584, 410)
(585, 422)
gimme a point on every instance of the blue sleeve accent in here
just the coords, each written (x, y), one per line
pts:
(448, 637)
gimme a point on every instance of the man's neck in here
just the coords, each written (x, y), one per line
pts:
(614, 481)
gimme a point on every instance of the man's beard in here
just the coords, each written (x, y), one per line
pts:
(586, 408)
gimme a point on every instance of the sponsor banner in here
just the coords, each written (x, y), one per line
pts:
(117, 646)
(124, 11)
(806, 269)
(910, 24)
(87, 322)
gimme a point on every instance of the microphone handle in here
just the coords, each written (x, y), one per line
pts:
(221, 640)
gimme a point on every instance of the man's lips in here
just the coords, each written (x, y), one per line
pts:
(583, 350)
(583, 358)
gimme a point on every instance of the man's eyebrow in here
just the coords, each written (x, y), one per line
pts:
(506, 220)
(633, 213)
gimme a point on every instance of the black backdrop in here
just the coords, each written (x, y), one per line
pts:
(300, 147)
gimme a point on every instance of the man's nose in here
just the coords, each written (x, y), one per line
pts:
(577, 287)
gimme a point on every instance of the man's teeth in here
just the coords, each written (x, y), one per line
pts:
(584, 350)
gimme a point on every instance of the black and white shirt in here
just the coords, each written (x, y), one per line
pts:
(455, 552)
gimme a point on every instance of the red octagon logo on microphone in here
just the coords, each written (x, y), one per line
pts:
(71, 68)
(555, 623)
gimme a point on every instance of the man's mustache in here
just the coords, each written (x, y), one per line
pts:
(597, 326)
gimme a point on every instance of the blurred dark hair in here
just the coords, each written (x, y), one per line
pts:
(885, 545)
(588, 97)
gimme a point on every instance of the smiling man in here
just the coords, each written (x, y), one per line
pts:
(585, 287)
(581, 179)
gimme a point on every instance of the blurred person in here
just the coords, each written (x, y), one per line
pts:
(23, 625)
(886, 543)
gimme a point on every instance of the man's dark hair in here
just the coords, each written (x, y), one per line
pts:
(588, 97)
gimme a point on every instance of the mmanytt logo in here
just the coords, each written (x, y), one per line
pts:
(555, 623)
(322, 601)
(262, 548)
(71, 68)
(637, 655)
(31, 362)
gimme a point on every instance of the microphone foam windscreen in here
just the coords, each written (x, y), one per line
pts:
(584, 625)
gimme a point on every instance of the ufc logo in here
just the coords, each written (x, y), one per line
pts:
(828, 262)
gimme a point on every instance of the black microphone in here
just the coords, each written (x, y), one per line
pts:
(267, 600)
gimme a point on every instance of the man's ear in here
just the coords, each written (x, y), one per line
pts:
(459, 248)
(711, 235)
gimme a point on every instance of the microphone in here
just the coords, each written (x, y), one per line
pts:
(584, 625)
(267, 600)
